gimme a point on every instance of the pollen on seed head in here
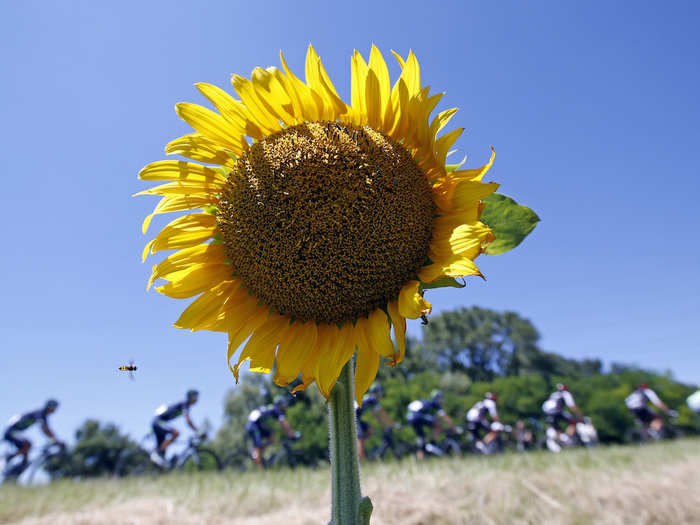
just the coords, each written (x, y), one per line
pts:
(326, 221)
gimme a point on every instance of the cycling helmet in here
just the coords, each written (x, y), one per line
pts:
(192, 394)
(437, 395)
(280, 401)
(561, 387)
(491, 396)
(51, 404)
(376, 389)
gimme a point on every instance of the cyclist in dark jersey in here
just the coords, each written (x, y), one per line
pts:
(166, 434)
(424, 413)
(370, 403)
(258, 430)
(20, 423)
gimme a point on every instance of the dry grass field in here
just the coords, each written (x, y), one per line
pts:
(656, 484)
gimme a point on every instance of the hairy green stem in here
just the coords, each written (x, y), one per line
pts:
(348, 507)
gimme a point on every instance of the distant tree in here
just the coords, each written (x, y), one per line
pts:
(96, 452)
(482, 343)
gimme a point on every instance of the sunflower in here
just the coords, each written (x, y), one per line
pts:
(321, 223)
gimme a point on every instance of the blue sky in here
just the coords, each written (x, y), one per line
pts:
(592, 108)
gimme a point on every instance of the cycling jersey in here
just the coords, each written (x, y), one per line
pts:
(256, 426)
(169, 412)
(694, 401)
(22, 422)
(421, 413)
(557, 401)
(479, 410)
(640, 397)
(425, 407)
(369, 403)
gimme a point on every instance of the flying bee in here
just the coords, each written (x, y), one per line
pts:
(131, 368)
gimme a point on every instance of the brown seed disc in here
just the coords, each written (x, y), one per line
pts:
(325, 221)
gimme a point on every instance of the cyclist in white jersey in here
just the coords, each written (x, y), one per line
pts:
(555, 409)
(694, 402)
(478, 419)
(638, 403)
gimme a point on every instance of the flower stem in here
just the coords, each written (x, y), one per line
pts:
(348, 507)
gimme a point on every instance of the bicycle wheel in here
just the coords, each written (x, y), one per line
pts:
(239, 461)
(636, 436)
(202, 459)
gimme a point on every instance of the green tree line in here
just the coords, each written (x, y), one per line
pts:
(465, 353)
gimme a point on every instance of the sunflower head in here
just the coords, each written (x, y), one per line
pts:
(321, 223)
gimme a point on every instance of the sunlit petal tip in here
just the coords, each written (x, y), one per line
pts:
(411, 302)
(146, 251)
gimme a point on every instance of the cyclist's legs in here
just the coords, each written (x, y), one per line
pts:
(364, 430)
(165, 435)
(20, 443)
(261, 438)
(418, 422)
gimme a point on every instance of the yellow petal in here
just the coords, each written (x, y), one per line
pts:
(310, 103)
(198, 147)
(184, 232)
(269, 88)
(377, 331)
(474, 174)
(196, 281)
(336, 351)
(317, 79)
(232, 110)
(260, 348)
(465, 240)
(183, 259)
(366, 366)
(454, 267)
(257, 108)
(411, 302)
(206, 307)
(242, 327)
(296, 345)
(172, 203)
(399, 324)
(179, 170)
(182, 188)
(211, 125)
(468, 193)
(359, 70)
(378, 67)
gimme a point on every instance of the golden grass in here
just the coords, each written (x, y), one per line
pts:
(657, 484)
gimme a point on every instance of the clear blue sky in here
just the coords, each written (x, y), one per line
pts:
(592, 107)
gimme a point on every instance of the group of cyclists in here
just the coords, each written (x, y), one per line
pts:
(427, 417)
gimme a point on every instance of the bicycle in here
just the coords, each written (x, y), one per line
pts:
(193, 457)
(391, 444)
(53, 458)
(641, 433)
(286, 455)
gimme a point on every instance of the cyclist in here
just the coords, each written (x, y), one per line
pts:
(260, 433)
(422, 413)
(370, 403)
(166, 434)
(693, 402)
(637, 403)
(20, 423)
(478, 419)
(555, 411)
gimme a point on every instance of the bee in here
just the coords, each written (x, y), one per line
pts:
(131, 368)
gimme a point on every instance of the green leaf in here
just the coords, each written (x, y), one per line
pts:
(511, 222)
(443, 283)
